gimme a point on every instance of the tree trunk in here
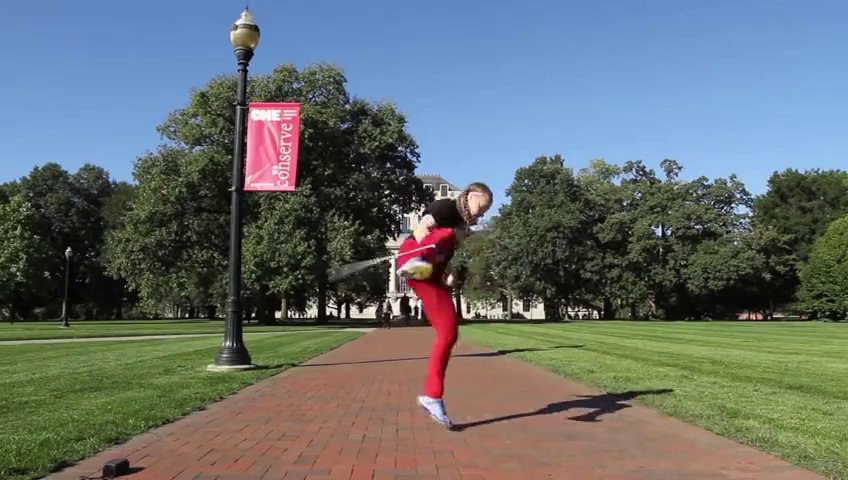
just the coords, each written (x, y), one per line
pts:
(457, 298)
(347, 310)
(608, 310)
(284, 309)
(551, 308)
(321, 316)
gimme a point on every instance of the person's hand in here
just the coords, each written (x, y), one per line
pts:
(420, 232)
(423, 228)
(454, 281)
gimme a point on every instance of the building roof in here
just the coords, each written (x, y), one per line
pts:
(436, 180)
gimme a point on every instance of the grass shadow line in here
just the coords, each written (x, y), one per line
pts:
(496, 353)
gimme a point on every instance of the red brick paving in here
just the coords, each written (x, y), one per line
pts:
(351, 415)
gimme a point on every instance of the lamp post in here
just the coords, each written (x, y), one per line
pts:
(68, 253)
(233, 354)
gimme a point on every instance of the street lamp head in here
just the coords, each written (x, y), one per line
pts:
(245, 32)
(68, 252)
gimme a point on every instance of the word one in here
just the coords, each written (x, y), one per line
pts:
(273, 115)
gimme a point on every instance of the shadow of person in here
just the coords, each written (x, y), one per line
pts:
(499, 353)
(602, 404)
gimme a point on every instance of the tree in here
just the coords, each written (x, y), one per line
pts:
(69, 212)
(543, 236)
(357, 161)
(797, 208)
(608, 284)
(671, 222)
(824, 279)
(350, 241)
(773, 280)
(169, 246)
(476, 255)
(18, 247)
(279, 252)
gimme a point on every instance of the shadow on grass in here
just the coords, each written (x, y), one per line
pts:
(496, 353)
(514, 321)
(602, 404)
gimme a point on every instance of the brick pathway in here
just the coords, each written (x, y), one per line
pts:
(350, 414)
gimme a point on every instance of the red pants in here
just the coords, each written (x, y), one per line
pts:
(438, 307)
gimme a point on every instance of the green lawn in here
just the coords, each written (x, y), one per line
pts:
(780, 387)
(87, 329)
(64, 402)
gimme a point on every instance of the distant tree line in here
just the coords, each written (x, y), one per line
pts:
(628, 242)
(623, 240)
(158, 247)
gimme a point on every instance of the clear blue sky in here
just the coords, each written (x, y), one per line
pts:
(746, 86)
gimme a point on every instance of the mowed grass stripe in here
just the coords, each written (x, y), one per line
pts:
(64, 402)
(822, 376)
(826, 345)
(780, 403)
(831, 334)
(727, 350)
(826, 342)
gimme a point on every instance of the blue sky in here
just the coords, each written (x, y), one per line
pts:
(745, 86)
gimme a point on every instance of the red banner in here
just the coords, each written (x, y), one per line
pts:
(273, 134)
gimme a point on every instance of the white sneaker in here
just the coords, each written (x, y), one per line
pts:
(435, 407)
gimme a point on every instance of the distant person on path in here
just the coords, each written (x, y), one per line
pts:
(405, 310)
(387, 314)
(444, 222)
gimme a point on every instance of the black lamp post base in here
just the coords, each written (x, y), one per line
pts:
(231, 359)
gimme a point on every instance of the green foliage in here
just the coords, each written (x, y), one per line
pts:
(18, 249)
(356, 176)
(798, 207)
(824, 279)
(476, 255)
(622, 240)
(542, 237)
(68, 210)
(166, 246)
(617, 239)
(676, 228)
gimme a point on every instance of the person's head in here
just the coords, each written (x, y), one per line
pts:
(478, 199)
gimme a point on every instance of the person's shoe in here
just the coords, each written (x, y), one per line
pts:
(435, 407)
(415, 269)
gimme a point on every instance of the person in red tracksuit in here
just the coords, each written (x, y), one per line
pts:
(442, 222)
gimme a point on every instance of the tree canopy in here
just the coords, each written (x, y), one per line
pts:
(626, 241)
